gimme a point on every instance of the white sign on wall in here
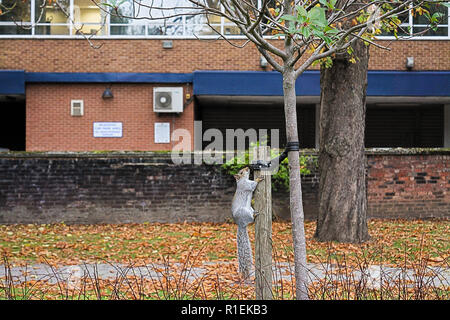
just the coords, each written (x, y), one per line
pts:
(162, 132)
(107, 129)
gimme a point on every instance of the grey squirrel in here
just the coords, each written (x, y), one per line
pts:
(243, 215)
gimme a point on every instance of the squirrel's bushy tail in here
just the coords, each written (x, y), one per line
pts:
(244, 251)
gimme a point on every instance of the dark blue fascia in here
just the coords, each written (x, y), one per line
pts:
(242, 83)
(107, 77)
(245, 83)
(12, 82)
(380, 83)
(409, 83)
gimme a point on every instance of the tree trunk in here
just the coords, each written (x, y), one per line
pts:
(296, 203)
(342, 161)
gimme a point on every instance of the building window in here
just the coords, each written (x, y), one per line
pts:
(52, 19)
(121, 22)
(15, 17)
(420, 22)
(76, 108)
(88, 18)
(415, 23)
(152, 19)
(167, 18)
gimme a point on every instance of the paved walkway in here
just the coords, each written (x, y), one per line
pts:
(374, 275)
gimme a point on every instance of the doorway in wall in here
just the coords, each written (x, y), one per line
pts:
(418, 126)
(223, 115)
(12, 123)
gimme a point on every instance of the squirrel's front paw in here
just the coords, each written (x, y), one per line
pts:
(255, 214)
(259, 179)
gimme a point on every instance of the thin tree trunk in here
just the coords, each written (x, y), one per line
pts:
(296, 203)
(342, 162)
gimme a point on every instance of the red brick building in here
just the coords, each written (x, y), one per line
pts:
(46, 67)
(59, 93)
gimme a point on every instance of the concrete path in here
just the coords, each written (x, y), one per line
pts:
(373, 276)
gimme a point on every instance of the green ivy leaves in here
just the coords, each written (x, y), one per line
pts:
(280, 180)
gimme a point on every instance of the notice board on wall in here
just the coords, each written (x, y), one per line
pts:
(107, 130)
(162, 132)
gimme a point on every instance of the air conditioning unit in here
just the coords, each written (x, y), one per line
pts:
(168, 99)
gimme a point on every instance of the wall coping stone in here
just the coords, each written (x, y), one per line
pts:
(165, 155)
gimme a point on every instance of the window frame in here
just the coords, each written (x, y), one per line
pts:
(106, 29)
(411, 25)
(72, 107)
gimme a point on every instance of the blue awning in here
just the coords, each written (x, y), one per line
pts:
(409, 83)
(251, 83)
(12, 82)
(242, 83)
(380, 83)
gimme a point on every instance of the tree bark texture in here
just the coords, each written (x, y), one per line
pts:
(263, 229)
(342, 161)
(296, 203)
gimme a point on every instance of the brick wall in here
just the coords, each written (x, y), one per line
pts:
(126, 187)
(416, 185)
(104, 189)
(69, 55)
(50, 127)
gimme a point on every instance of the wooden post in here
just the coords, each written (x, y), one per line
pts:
(263, 228)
